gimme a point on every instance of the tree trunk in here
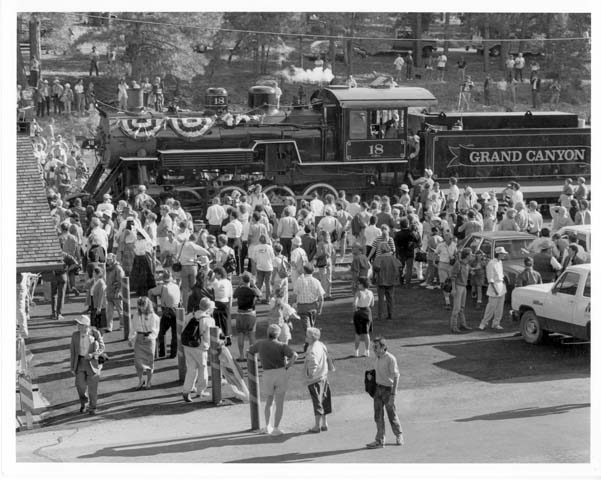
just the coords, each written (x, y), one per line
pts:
(234, 50)
(332, 47)
(485, 41)
(417, 56)
(21, 72)
(446, 33)
(35, 43)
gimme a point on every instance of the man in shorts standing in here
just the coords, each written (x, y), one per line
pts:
(276, 359)
(246, 320)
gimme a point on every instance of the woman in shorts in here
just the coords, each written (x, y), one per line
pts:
(364, 300)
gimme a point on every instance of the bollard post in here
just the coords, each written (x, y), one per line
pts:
(26, 397)
(181, 360)
(126, 315)
(254, 391)
(215, 365)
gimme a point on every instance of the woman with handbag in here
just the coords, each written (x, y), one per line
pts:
(143, 331)
(315, 371)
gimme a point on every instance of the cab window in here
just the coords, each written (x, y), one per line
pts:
(486, 247)
(474, 244)
(587, 287)
(358, 125)
(568, 284)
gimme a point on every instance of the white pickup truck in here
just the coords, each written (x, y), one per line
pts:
(560, 307)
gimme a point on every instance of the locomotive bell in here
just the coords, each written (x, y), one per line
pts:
(216, 98)
(262, 98)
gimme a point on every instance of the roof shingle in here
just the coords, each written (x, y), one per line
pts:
(38, 248)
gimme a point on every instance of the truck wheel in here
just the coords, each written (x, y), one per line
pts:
(322, 188)
(531, 329)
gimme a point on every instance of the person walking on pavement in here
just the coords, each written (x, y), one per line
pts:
(387, 382)
(309, 298)
(386, 269)
(143, 331)
(196, 337)
(114, 298)
(315, 372)
(496, 291)
(168, 297)
(246, 319)
(86, 347)
(276, 358)
(460, 275)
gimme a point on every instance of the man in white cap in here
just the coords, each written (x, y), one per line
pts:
(106, 205)
(196, 337)
(496, 291)
(86, 347)
(168, 297)
(143, 200)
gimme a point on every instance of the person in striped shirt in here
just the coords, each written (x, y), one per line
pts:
(309, 298)
(385, 238)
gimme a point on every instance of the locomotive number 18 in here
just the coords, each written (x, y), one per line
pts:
(377, 149)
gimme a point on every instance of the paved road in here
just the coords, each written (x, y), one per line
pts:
(476, 397)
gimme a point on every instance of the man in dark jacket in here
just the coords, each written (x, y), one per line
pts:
(309, 243)
(386, 269)
(406, 240)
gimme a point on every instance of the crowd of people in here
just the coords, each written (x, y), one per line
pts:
(246, 254)
(502, 92)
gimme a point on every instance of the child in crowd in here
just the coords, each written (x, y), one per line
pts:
(282, 314)
(478, 276)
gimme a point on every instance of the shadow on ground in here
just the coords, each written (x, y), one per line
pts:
(526, 412)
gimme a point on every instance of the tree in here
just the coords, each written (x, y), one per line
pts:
(156, 43)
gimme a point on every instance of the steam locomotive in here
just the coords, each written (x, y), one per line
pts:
(362, 140)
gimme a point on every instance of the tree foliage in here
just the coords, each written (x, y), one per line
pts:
(158, 43)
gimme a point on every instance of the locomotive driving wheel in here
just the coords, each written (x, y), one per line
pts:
(231, 188)
(277, 194)
(322, 188)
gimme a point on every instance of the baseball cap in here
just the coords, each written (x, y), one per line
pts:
(83, 320)
(500, 250)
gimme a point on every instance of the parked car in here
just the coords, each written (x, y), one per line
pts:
(583, 238)
(514, 242)
(563, 306)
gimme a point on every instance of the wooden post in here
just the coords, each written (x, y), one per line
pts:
(181, 360)
(26, 396)
(215, 365)
(254, 391)
(126, 316)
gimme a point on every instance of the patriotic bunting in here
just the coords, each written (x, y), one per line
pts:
(141, 128)
(191, 127)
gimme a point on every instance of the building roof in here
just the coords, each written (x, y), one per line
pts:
(38, 248)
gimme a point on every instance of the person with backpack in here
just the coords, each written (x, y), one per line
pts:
(196, 341)
(298, 259)
(281, 271)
